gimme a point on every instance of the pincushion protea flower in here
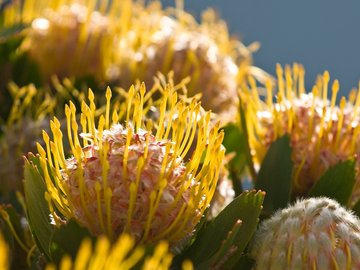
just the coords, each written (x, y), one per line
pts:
(4, 254)
(224, 193)
(64, 39)
(20, 131)
(125, 178)
(122, 255)
(315, 233)
(322, 133)
(171, 40)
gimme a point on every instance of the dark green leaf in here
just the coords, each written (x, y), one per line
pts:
(246, 140)
(336, 183)
(67, 240)
(13, 30)
(210, 240)
(37, 208)
(234, 143)
(245, 263)
(275, 175)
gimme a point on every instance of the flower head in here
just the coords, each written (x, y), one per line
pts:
(165, 40)
(315, 233)
(224, 193)
(30, 111)
(322, 133)
(4, 254)
(20, 131)
(63, 39)
(129, 173)
(123, 255)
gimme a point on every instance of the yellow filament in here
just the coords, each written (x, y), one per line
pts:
(269, 95)
(289, 83)
(326, 79)
(46, 140)
(129, 103)
(340, 122)
(91, 119)
(279, 73)
(160, 131)
(147, 225)
(99, 206)
(168, 231)
(83, 255)
(108, 196)
(334, 91)
(6, 217)
(126, 151)
(312, 112)
(134, 187)
(68, 127)
(83, 126)
(107, 113)
(141, 105)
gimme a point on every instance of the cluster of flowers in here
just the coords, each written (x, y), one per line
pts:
(131, 135)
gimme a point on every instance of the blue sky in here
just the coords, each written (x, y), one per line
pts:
(320, 34)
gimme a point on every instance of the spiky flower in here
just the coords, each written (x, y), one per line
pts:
(315, 233)
(171, 40)
(20, 131)
(322, 133)
(64, 39)
(121, 41)
(4, 254)
(131, 176)
(123, 255)
(224, 193)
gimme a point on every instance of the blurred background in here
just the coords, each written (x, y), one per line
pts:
(321, 34)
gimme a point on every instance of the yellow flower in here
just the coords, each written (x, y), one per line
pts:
(21, 130)
(166, 40)
(127, 173)
(123, 255)
(4, 254)
(22, 127)
(64, 39)
(123, 41)
(322, 133)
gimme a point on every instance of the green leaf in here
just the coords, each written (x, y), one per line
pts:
(336, 183)
(67, 240)
(11, 31)
(275, 175)
(37, 208)
(12, 229)
(245, 263)
(234, 143)
(210, 241)
(246, 140)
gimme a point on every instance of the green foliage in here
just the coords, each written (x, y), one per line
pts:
(67, 240)
(222, 241)
(247, 145)
(275, 175)
(38, 212)
(234, 142)
(10, 32)
(336, 183)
